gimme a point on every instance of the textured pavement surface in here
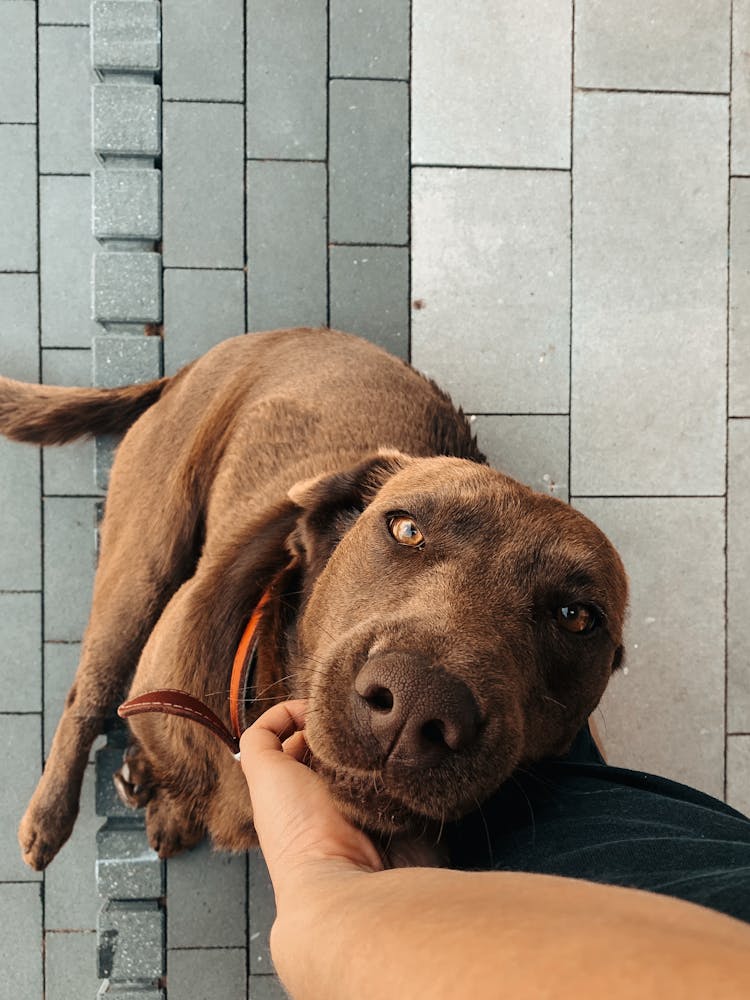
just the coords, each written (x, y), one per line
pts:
(546, 206)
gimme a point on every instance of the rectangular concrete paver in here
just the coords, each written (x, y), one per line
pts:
(207, 900)
(19, 335)
(216, 973)
(64, 11)
(21, 920)
(68, 470)
(20, 631)
(370, 38)
(18, 61)
(740, 87)
(738, 581)
(370, 294)
(18, 198)
(20, 547)
(20, 742)
(64, 101)
(203, 50)
(533, 449)
(738, 768)
(69, 547)
(70, 965)
(739, 299)
(261, 915)
(201, 308)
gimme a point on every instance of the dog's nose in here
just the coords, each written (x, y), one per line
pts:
(419, 714)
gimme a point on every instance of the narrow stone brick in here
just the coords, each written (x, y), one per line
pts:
(70, 897)
(116, 991)
(266, 988)
(131, 940)
(20, 634)
(124, 359)
(127, 287)
(261, 914)
(203, 50)
(201, 308)
(18, 62)
(370, 38)
(20, 744)
(19, 333)
(18, 199)
(370, 294)
(126, 866)
(207, 899)
(215, 973)
(125, 35)
(69, 558)
(70, 961)
(533, 449)
(738, 582)
(738, 773)
(127, 119)
(739, 299)
(64, 101)
(108, 803)
(21, 920)
(68, 471)
(740, 144)
(127, 203)
(20, 548)
(64, 11)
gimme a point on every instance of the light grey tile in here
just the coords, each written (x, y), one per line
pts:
(20, 633)
(69, 559)
(740, 88)
(218, 974)
(18, 201)
(21, 920)
(67, 248)
(71, 899)
(261, 914)
(127, 287)
(18, 62)
(126, 119)
(19, 332)
(201, 308)
(203, 189)
(286, 79)
(649, 294)
(20, 742)
(20, 550)
(533, 449)
(642, 45)
(266, 988)
(69, 470)
(491, 278)
(203, 50)
(64, 101)
(64, 11)
(207, 899)
(125, 35)
(738, 582)
(738, 773)
(70, 966)
(370, 38)
(739, 298)
(664, 711)
(369, 161)
(60, 662)
(478, 96)
(370, 294)
(286, 240)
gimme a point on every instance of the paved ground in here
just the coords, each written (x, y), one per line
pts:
(534, 203)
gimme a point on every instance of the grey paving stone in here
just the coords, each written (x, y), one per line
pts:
(369, 161)
(109, 760)
(125, 35)
(64, 101)
(207, 900)
(738, 584)
(739, 299)
(533, 449)
(68, 470)
(18, 62)
(20, 743)
(127, 203)
(203, 185)
(67, 247)
(218, 974)
(491, 284)
(70, 965)
(503, 110)
(106, 446)
(124, 359)
(664, 712)
(131, 936)
(69, 558)
(71, 900)
(649, 294)
(370, 38)
(127, 287)
(641, 45)
(738, 773)
(64, 11)
(286, 240)
(127, 119)
(18, 200)
(19, 334)
(126, 866)
(261, 914)
(20, 632)
(60, 662)
(20, 550)
(370, 294)
(21, 920)
(116, 991)
(740, 88)
(286, 67)
(203, 50)
(266, 988)
(201, 308)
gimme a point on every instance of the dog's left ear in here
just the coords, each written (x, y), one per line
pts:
(331, 503)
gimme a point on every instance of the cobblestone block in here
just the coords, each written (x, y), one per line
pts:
(203, 50)
(740, 142)
(64, 11)
(125, 35)
(126, 867)
(68, 471)
(201, 308)
(20, 548)
(533, 449)
(67, 247)
(18, 204)
(125, 359)
(370, 294)
(127, 287)
(21, 920)
(70, 960)
(210, 187)
(19, 334)
(64, 101)
(71, 901)
(18, 62)
(115, 991)
(131, 941)
(286, 79)
(286, 229)
(207, 896)
(369, 161)
(109, 760)
(20, 632)
(20, 743)
(219, 974)
(261, 914)
(370, 38)
(738, 583)
(127, 203)
(69, 560)
(739, 304)
(127, 119)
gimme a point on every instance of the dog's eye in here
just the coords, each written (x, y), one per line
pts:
(405, 531)
(578, 617)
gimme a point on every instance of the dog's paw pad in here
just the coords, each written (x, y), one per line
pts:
(170, 831)
(38, 847)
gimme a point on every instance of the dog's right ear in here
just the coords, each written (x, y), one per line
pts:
(332, 502)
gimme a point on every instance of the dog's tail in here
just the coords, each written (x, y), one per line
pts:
(51, 414)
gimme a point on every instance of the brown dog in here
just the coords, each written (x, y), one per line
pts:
(447, 623)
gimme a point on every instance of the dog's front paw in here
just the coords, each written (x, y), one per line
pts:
(43, 831)
(170, 828)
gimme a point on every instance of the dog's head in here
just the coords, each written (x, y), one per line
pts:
(456, 625)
